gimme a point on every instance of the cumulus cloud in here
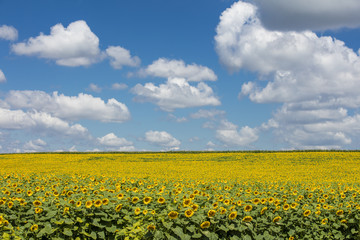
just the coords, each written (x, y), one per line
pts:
(308, 14)
(176, 93)
(2, 76)
(75, 45)
(83, 106)
(120, 57)
(228, 134)
(112, 142)
(39, 122)
(210, 114)
(8, 33)
(167, 68)
(315, 78)
(119, 86)
(95, 88)
(34, 145)
(163, 139)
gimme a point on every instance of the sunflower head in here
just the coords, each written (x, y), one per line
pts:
(161, 200)
(307, 213)
(88, 204)
(248, 208)
(189, 213)
(205, 224)
(232, 215)
(173, 214)
(151, 227)
(247, 219)
(118, 207)
(211, 213)
(276, 219)
(147, 200)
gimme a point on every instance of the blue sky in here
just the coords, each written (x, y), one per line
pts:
(179, 75)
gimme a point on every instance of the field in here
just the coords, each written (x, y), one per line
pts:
(190, 195)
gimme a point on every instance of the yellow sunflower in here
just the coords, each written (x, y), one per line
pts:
(118, 207)
(247, 219)
(232, 215)
(205, 224)
(88, 204)
(161, 200)
(276, 219)
(151, 227)
(307, 213)
(147, 200)
(211, 213)
(173, 214)
(248, 208)
(189, 213)
(98, 203)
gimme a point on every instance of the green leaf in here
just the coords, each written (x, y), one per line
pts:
(191, 228)
(167, 225)
(93, 235)
(69, 221)
(197, 235)
(101, 235)
(111, 229)
(67, 232)
(246, 237)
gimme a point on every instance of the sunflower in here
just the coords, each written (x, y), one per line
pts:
(88, 204)
(186, 202)
(69, 193)
(256, 201)
(276, 219)
(286, 207)
(211, 213)
(263, 210)
(293, 205)
(66, 210)
(340, 212)
(120, 196)
(215, 205)
(38, 210)
(189, 213)
(147, 200)
(37, 203)
(248, 208)
(105, 201)
(222, 210)
(173, 214)
(118, 207)
(343, 221)
(137, 211)
(10, 204)
(161, 200)
(226, 201)
(151, 227)
(324, 221)
(29, 193)
(78, 203)
(205, 224)
(307, 213)
(2, 202)
(34, 228)
(98, 203)
(232, 215)
(134, 199)
(195, 207)
(247, 219)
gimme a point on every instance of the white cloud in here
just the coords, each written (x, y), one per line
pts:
(211, 114)
(163, 139)
(95, 88)
(315, 78)
(176, 93)
(83, 106)
(2, 76)
(39, 122)
(120, 57)
(177, 119)
(73, 46)
(119, 86)
(8, 33)
(308, 14)
(114, 142)
(167, 68)
(34, 145)
(228, 134)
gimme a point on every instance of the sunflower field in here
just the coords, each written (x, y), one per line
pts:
(180, 195)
